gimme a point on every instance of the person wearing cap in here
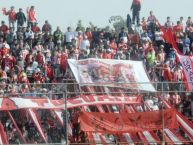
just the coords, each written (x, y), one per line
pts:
(4, 50)
(21, 18)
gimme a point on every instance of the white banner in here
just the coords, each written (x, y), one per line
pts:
(187, 64)
(112, 73)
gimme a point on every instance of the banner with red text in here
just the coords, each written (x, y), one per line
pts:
(127, 122)
(112, 73)
(84, 100)
(187, 64)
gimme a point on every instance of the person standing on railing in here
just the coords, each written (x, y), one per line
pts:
(21, 18)
(31, 16)
(11, 17)
(136, 8)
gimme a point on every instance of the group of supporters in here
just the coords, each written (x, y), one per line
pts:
(30, 54)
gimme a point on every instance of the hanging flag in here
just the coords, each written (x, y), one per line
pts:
(127, 122)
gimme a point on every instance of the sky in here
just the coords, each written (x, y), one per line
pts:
(66, 13)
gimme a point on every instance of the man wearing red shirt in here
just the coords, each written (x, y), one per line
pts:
(49, 71)
(28, 58)
(63, 62)
(36, 28)
(12, 17)
(178, 27)
(4, 28)
(31, 17)
(40, 58)
(8, 62)
(4, 51)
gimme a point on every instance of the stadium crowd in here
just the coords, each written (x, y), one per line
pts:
(33, 54)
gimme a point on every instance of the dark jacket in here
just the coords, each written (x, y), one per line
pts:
(129, 23)
(21, 18)
(136, 7)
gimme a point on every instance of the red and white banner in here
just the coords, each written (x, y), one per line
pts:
(112, 73)
(84, 100)
(37, 123)
(187, 64)
(127, 122)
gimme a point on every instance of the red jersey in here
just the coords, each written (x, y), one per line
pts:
(28, 59)
(8, 62)
(35, 29)
(12, 15)
(40, 58)
(167, 74)
(49, 72)
(4, 28)
(4, 51)
(63, 61)
(31, 16)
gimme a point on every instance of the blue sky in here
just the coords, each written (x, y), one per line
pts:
(68, 12)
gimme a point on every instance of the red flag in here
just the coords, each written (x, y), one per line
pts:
(4, 11)
(130, 122)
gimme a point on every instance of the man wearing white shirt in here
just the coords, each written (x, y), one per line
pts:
(69, 35)
(183, 23)
(85, 44)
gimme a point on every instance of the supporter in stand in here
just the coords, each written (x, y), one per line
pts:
(47, 28)
(136, 7)
(31, 54)
(21, 18)
(31, 16)
(11, 17)
(4, 29)
(169, 24)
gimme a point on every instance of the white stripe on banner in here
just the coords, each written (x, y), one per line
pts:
(35, 120)
(107, 140)
(59, 115)
(128, 138)
(172, 137)
(97, 138)
(186, 126)
(1, 142)
(149, 138)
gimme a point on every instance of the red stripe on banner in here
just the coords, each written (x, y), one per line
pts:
(36, 121)
(17, 128)
(3, 135)
(184, 123)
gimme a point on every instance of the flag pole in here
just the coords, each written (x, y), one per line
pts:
(163, 125)
(65, 117)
